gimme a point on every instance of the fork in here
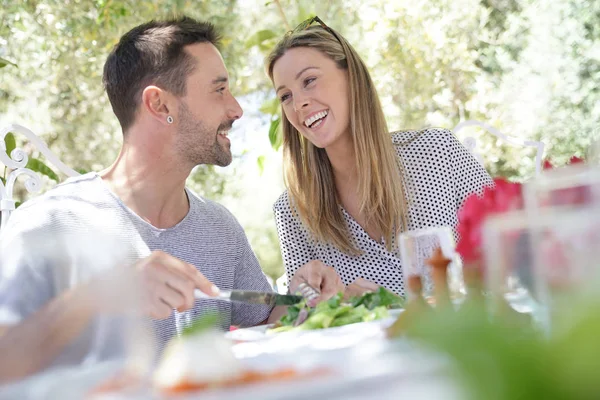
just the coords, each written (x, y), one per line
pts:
(307, 291)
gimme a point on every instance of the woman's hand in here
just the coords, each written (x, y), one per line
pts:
(360, 287)
(319, 276)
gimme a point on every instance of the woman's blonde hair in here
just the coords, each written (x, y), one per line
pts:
(307, 170)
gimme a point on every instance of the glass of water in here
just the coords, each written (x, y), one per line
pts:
(417, 246)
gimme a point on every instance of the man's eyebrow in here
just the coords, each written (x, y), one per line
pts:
(297, 76)
(220, 79)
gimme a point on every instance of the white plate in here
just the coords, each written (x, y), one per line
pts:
(360, 363)
(261, 332)
(375, 369)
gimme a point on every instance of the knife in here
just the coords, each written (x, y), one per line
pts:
(250, 296)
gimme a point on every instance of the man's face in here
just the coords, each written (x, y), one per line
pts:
(207, 111)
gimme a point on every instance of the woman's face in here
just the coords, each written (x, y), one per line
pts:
(314, 95)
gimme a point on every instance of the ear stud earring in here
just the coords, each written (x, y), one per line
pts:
(169, 119)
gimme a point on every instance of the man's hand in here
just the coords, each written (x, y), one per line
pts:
(360, 287)
(154, 285)
(167, 283)
(321, 277)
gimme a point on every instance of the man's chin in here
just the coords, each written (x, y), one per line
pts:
(223, 163)
(223, 159)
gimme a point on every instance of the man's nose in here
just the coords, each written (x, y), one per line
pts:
(235, 110)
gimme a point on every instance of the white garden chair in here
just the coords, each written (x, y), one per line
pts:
(17, 162)
(471, 143)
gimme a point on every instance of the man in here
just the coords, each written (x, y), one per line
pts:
(168, 87)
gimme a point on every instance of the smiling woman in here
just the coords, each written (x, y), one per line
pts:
(352, 186)
(315, 106)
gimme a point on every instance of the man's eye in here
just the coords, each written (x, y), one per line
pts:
(221, 90)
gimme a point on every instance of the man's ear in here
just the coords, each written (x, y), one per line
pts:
(159, 104)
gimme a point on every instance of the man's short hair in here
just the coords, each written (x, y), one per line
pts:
(152, 54)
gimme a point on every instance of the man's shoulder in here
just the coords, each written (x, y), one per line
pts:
(58, 206)
(78, 188)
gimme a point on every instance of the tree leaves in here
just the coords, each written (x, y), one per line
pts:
(275, 135)
(4, 62)
(270, 107)
(263, 39)
(33, 164)
(10, 142)
(261, 163)
(38, 166)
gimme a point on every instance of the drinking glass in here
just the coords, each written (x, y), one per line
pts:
(417, 246)
(540, 263)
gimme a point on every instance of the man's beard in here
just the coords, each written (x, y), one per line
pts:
(198, 143)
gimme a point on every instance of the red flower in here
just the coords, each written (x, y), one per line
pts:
(572, 196)
(573, 160)
(548, 165)
(503, 197)
(576, 160)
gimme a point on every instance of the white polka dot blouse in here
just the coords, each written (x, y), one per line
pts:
(439, 174)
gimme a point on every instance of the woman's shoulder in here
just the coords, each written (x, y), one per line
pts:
(282, 204)
(429, 143)
(284, 212)
(422, 136)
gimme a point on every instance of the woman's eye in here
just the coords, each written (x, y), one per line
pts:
(308, 81)
(284, 98)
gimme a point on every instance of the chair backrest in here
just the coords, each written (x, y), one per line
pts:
(471, 143)
(16, 163)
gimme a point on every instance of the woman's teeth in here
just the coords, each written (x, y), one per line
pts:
(318, 116)
(319, 122)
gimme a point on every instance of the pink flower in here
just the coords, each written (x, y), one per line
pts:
(503, 197)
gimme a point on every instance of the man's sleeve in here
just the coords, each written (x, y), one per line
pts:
(25, 282)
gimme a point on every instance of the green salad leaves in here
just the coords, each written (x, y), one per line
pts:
(336, 312)
(201, 325)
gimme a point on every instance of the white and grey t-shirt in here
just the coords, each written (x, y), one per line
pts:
(82, 210)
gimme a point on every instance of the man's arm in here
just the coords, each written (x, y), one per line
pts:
(154, 286)
(33, 344)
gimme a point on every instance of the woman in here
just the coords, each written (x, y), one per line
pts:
(352, 187)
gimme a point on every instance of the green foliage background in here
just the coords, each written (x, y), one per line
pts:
(531, 68)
